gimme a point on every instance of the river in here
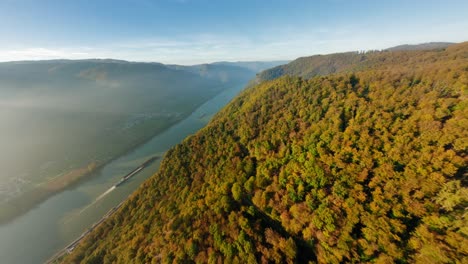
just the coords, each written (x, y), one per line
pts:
(35, 236)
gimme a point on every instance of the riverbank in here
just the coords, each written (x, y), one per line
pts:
(23, 203)
(59, 255)
(30, 199)
(56, 258)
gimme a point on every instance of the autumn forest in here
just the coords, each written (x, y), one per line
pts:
(351, 157)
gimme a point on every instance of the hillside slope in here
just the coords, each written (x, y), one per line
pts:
(308, 67)
(361, 167)
(422, 46)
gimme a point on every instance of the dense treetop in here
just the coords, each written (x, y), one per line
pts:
(364, 165)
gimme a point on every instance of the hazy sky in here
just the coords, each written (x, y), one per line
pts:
(197, 31)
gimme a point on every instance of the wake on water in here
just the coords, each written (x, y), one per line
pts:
(91, 204)
(104, 194)
(98, 198)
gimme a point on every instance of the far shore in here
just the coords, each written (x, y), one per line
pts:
(23, 203)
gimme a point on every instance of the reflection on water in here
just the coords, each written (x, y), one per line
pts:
(38, 234)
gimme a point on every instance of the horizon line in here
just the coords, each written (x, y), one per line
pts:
(223, 61)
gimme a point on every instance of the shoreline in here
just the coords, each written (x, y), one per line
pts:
(24, 203)
(70, 247)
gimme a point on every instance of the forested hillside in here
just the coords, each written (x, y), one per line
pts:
(308, 67)
(422, 46)
(364, 165)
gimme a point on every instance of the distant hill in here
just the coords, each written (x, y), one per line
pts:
(353, 158)
(256, 66)
(311, 66)
(110, 85)
(423, 46)
(220, 70)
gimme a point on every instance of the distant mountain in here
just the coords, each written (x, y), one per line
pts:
(110, 85)
(223, 73)
(256, 66)
(423, 46)
(220, 70)
(353, 158)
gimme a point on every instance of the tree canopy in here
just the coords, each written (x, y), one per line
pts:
(363, 165)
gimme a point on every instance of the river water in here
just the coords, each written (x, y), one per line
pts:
(37, 235)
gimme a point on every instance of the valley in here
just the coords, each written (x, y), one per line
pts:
(248, 131)
(82, 115)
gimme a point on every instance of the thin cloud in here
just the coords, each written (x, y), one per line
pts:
(207, 47)
(41, 54)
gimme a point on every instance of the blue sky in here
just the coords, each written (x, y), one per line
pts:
(199, 31)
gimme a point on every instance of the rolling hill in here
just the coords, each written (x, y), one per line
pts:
(422, 46)
(308, 67)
